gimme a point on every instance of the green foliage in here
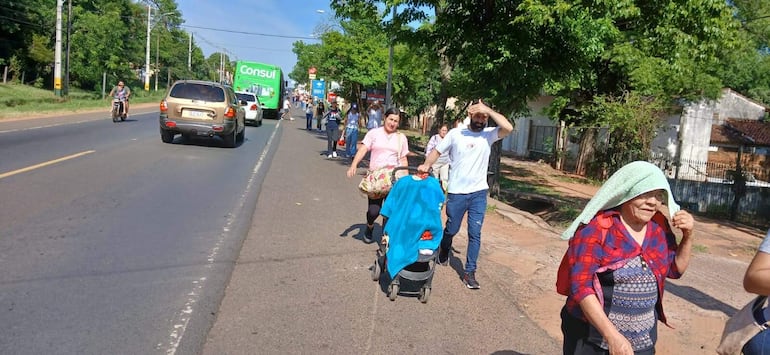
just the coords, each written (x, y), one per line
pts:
(107, 36)
(633, 121)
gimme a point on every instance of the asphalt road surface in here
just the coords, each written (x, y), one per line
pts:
(112, 242)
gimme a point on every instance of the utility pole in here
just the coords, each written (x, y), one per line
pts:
(147, 57)
(57, 51)
(389, 87)
(67, 56)
(189, 53)
(157, 61)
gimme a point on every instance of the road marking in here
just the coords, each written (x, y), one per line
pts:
(183, 317)
(50, 162)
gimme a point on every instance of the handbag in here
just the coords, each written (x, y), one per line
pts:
(341, 142)
(377, 183)
(741, 327)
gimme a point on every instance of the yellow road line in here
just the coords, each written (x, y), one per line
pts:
(50, 162)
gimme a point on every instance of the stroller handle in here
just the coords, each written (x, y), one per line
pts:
(412, 170)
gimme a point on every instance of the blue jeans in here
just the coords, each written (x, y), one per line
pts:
(309, 117)
(758, 345)
(475, 203)
(351, 140)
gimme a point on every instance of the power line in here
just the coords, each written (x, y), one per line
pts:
(248, 33)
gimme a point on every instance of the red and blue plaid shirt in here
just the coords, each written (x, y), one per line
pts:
(587, 253)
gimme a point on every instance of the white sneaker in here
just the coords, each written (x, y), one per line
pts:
(334, 154)
(329, 156)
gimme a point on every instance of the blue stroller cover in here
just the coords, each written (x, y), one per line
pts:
(413, 207)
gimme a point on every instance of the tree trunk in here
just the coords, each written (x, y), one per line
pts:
(493, 171)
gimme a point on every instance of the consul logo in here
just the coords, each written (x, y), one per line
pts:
(262, 73)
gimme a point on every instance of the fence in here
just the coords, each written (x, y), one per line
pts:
(710, 189)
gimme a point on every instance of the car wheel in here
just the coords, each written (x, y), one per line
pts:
(230, 140)
(166, 136)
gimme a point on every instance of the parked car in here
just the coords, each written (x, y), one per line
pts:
(204, 109)
(253, 107)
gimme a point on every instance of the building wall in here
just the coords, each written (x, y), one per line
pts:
(517, 142)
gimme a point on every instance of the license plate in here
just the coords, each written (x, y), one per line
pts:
(196, 114)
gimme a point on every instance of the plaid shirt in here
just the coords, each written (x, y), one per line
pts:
(587, 254)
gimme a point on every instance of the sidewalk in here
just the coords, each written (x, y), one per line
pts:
(302, 282)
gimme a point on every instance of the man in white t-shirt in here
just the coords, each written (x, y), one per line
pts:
(285, 111)
(469, 148)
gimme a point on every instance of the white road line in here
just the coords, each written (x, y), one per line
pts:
(44, 164)
(182, 319)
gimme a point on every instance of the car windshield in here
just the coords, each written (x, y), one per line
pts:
(200, 92)
(246, 97)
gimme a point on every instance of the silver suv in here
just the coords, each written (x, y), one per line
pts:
(204, 109)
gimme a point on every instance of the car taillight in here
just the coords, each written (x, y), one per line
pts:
(230, 113)
(163, 106)
(171, 124)
(253, 107)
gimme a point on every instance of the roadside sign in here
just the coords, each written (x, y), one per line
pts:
(318, 89)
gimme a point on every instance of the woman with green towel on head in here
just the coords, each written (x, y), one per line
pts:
(621, 250)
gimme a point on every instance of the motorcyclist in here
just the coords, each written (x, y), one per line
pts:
(122, 93)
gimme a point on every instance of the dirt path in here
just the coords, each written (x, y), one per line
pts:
(522, 246)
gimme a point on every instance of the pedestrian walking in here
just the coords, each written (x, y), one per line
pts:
(621, 251)
(333, 119)
(309, 114)
(441, 166)
(374, 115)
(469, 149)
(352, 123)
(286, 110)
(388, 148)
(320, 110)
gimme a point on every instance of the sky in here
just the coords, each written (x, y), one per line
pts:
(270, 18)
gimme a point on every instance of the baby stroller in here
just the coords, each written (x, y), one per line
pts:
(413, 233)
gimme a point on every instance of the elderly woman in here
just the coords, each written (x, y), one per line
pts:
(621, 250)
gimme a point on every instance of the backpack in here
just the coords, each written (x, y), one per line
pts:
(562, 276)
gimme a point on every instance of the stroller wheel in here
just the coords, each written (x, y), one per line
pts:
(376, 270)
(393, 291)
(424, 294)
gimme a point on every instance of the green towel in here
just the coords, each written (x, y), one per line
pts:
(632, 180)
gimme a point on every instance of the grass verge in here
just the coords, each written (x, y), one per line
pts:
(22, 100)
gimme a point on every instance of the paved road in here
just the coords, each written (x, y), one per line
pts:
(302, 281)
(112, 242)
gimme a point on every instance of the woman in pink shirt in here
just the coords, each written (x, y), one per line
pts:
(388, 148)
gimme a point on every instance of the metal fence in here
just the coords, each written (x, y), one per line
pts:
(710, 189)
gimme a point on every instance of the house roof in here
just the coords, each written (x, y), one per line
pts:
(742, 132)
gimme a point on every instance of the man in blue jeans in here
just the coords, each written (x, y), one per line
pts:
(469, 150)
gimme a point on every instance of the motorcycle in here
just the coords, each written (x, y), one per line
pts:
(117, 110)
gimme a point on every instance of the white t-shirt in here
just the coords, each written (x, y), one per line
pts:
(469, 155)
(286, 104)
(765, 246)
(375, 119)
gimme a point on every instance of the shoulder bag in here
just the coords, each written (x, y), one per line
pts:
(741, 327)
(377, 183)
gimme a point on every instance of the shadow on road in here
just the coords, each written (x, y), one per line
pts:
(700, 299)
